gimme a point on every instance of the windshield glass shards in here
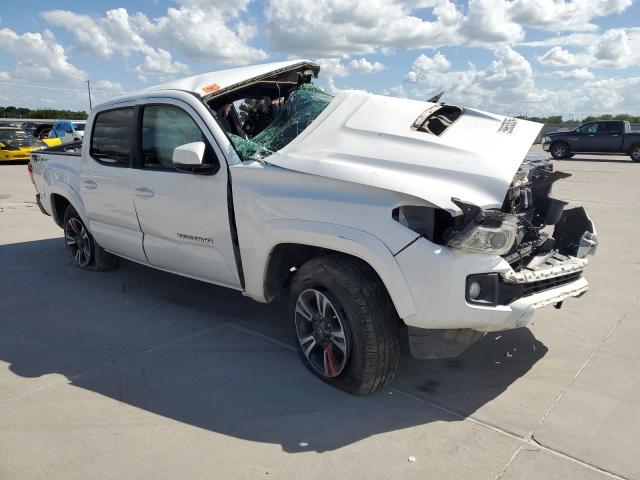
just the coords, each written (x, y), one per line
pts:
(295, 114)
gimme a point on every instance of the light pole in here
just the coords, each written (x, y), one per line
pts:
(89, 89)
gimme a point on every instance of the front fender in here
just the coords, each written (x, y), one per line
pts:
(255, 257)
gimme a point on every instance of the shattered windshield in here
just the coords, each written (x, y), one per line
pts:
(291, 117)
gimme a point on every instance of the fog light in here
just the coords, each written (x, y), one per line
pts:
(474, 290)
(482, 289)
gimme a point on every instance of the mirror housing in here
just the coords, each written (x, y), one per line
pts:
(190, 157)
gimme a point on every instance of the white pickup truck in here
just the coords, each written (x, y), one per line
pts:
(377, 216)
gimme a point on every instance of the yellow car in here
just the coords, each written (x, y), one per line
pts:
(16, 144)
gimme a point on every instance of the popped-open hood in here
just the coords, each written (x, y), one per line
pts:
(369, 139)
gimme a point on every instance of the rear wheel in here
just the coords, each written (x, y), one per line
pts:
(634, 153)
(345, 326)
(559, 151)
(84, 250)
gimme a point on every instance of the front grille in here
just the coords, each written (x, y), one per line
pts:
(509, 292)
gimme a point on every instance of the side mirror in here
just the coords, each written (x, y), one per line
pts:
(190, 157)
(189, 154)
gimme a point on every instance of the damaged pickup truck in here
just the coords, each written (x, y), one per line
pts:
(371, 213)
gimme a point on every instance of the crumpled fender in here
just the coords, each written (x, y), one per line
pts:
(326, 235)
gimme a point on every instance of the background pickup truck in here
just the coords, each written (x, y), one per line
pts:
(376, 216)
(603, 137)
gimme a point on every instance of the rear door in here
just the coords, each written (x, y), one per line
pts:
(105, 183)
(609, 137)
(184, 216)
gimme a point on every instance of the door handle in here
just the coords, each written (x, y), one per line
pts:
(143, 192)
(90, 185)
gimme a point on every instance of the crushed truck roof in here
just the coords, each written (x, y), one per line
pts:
(210, 83)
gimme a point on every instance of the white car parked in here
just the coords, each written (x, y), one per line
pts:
(372, 213)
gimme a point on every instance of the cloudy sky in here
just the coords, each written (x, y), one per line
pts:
(571, 57)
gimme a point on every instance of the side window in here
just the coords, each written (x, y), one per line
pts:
(111, 137)
(609, 127)
(165, 127)
(588, 128)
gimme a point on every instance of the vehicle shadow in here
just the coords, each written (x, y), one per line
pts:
(14, 162)
(598, 160)
(196, 353)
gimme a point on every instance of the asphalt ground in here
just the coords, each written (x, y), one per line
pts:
(139, 374)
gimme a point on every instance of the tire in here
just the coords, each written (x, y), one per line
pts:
(634, 153)
(560, 150)
(354, 347)
(84, 250)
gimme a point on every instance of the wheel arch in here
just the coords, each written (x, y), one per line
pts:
(562, 141)
(60, 199)
(280, 245)
(633, 145)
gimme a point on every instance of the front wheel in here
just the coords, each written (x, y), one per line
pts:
(84, 250)
(635, 153)
(345, 326)
(559, 151)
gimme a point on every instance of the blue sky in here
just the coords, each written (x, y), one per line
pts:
(570, 57)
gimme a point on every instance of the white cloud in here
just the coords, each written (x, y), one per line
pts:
(488, 21)
(337, 28)
(332, 67)
(557, 57)
(198, 30)
(39, 56)
(365, 67)
(575, 74)
(396, 91)
(508, 80)
(336, 68)
(106, 86)
(508, 85)
(611, 49)
(115, 33)
(202, 34)
(424, 66)
(558, 15)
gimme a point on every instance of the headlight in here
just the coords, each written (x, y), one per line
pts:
(546, 139)
(493, 236)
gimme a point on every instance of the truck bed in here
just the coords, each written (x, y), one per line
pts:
(53, 169)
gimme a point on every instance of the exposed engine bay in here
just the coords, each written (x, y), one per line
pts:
(520, 231)
(530, 207)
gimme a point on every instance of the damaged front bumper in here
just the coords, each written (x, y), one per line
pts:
(442, 280)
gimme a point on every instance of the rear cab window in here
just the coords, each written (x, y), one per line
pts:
(111, 137)
(610, 127)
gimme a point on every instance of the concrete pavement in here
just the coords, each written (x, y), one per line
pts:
(137, 373)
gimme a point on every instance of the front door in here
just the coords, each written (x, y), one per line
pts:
(583, 139)
(184, 216)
